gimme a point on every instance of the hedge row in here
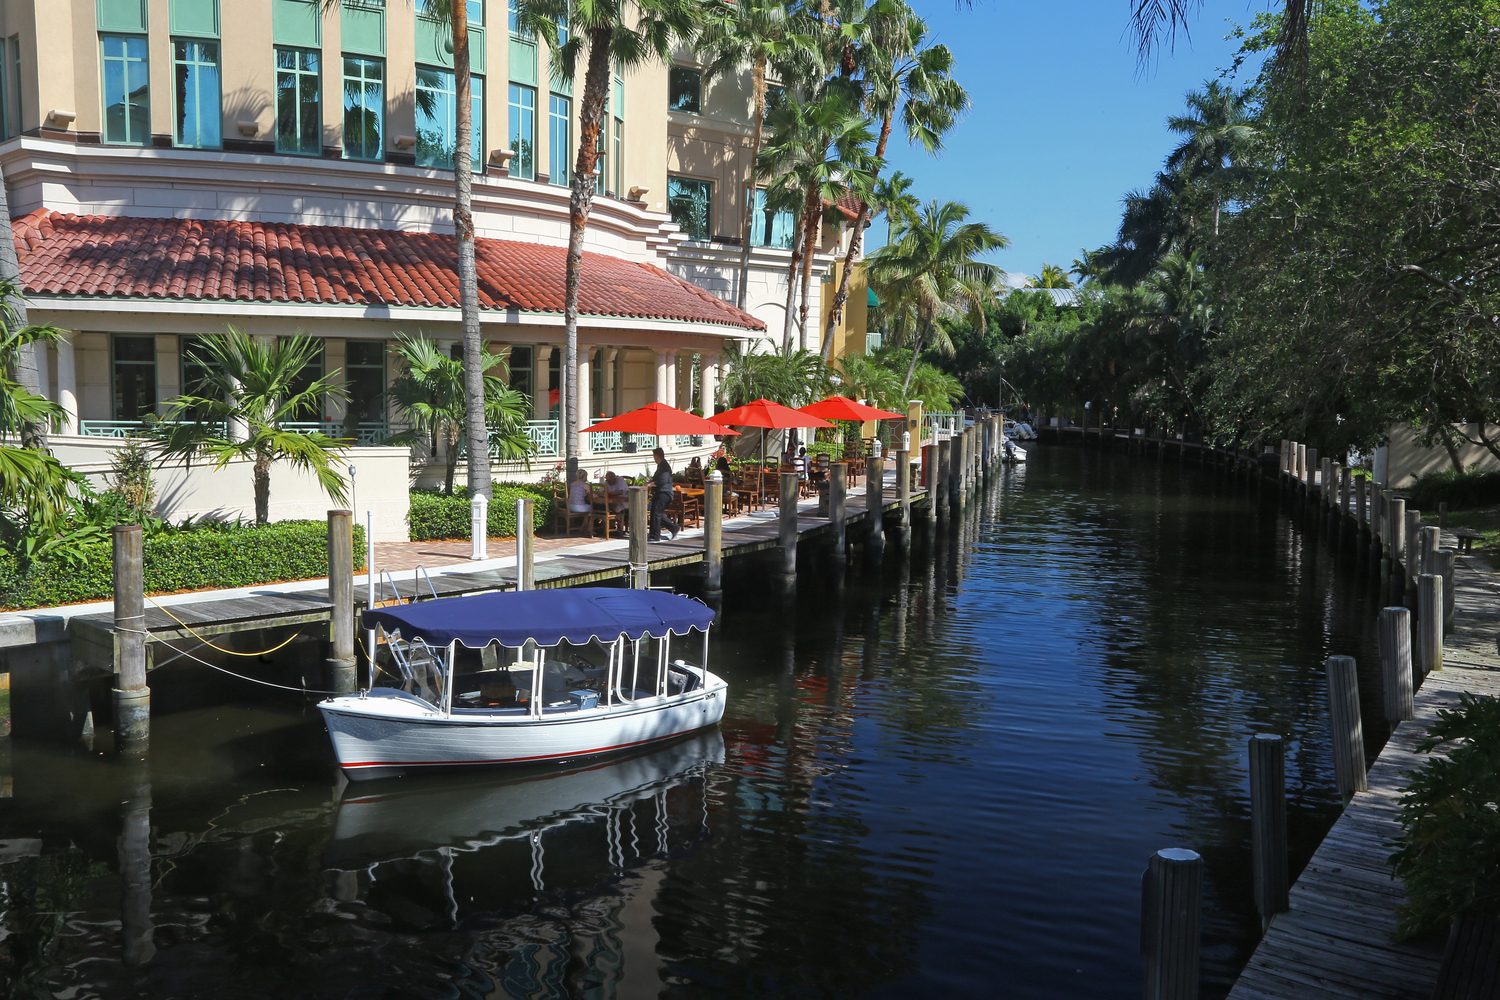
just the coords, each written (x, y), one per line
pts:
(437, 515)
(210, 557)
(1457, 489)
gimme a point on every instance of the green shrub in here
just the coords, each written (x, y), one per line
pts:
(1449, 852)
(436, 515)
(1456, 489)
(209, 556)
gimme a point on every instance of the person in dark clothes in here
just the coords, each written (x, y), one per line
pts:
(662, 489)
(722, 465)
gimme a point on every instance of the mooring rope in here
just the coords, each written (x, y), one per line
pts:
(195, 635)
(252, 680)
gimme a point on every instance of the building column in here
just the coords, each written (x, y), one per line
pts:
(582, 401)
(710, 383)
(664, 377)
(671, 399)
(684, 393)
(609, 390)
(67, 383)
(541, 378)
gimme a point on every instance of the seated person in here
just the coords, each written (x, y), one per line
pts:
(578, 494)
(617, 490)
(722, 465)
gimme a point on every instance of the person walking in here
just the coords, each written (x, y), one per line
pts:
(662, 490)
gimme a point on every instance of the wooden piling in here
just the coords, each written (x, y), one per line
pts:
(713, 533)
(938, 480)
(137, 946)
(1443, 516)
(1345, 481)
(1395, 663)
(1361, 492)
(929, 466)
(1171, 923)
(1268, 824)
(1430, 621)
(131, 695)
(875, 503)
(838, 486)
(903, 489)
(1413, 549)
(526, 545)
(1427, 549)
(788, 533)
(955, 470)
(640, 527)
(1325, 482)
(1344, 722)
(1395, 531)
(341, 670)
(1443, 566)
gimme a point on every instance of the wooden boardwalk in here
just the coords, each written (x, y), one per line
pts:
(93, 634)
(1335, 940)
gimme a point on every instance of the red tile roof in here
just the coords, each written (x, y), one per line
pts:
(850, 206)
(218, 260)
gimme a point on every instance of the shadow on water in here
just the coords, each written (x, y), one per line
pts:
(939, 776)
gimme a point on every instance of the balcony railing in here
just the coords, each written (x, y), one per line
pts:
(111, 428)
(939, 424)
(366, 433)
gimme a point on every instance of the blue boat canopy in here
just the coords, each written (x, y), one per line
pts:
(545, 617)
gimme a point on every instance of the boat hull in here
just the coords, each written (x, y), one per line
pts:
(379, 737)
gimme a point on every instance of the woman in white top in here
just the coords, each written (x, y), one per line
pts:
(578, 494)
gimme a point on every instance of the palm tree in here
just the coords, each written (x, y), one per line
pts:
(864, 377)
(431, 392)
(1156, 21)
(793, 379)
(930, 273)
(35, 488)
(254, 385)
(892, 195)
(902, 72)
(819, 148)
(1052, 276)
(764, 34)
(21, 364)
(600, 28)
(1215, 131)
(453, 15)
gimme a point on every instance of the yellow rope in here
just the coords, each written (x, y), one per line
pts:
(221, 649)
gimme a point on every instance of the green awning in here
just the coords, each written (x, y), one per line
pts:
(870, 299)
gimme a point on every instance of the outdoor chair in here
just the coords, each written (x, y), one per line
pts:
(568, 519)
(603, 519)
(685, 510)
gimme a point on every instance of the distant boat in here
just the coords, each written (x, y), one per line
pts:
(579, 672)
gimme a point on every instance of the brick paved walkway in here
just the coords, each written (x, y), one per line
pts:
(455, 551)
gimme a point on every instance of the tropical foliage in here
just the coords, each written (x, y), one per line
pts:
(252, 388)
(431, 394)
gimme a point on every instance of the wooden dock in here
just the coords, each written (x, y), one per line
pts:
(1334, 942)
(93, 635)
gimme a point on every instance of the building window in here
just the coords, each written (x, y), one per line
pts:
(364, 375)
(135, 376)
(299, 120)
(195, 66)
(437, 108)
(521, 362)
(127, 109)
(198, 367)
(304, 379)
(771, 227)
(476, 12)
(523, 131)
(685, 90)
(560, 137)
(601, 162)
(691, 204)
(364, 108)
(774, 97)
(617, 151)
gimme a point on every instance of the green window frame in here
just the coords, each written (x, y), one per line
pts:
(364, 376)
(437, 102)
(560, 135)
(303, 380)
(690, 202)
(364, 108)
(299, 105)
(125, 75)
(617, 151)
(133, 370)
(196, 94)
(685, 90)
(523, 131)
(601, 163)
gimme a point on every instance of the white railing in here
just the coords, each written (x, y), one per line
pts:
(939, 424)
(111, 428)
(545, 437)
(367, 433)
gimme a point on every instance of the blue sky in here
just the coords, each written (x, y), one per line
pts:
(1062, 124)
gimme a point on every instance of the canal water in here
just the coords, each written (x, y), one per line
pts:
(942, 779)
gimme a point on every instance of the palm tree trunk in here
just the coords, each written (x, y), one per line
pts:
(791, 293)
(812, 216)
(262, 472)
(856, 241)
(25, 369)
(468, 278)
(580, 201)
(916, 352)
(758, 87)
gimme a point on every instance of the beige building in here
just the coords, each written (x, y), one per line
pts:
(176, 166)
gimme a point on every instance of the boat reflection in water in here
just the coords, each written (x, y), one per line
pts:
(473, 855)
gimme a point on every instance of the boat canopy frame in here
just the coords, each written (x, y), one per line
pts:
(546, 618)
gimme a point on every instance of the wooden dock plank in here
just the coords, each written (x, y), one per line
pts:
(1335, 942)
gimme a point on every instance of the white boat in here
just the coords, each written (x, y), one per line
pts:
(577, 673)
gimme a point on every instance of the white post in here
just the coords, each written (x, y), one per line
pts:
(663, 369)
(370, 584)
(479, 519)
(67, 383)
(583, 401)
(710, 383)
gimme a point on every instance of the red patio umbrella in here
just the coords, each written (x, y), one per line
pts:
(844, 408)
(659, 419)
(765, 414)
